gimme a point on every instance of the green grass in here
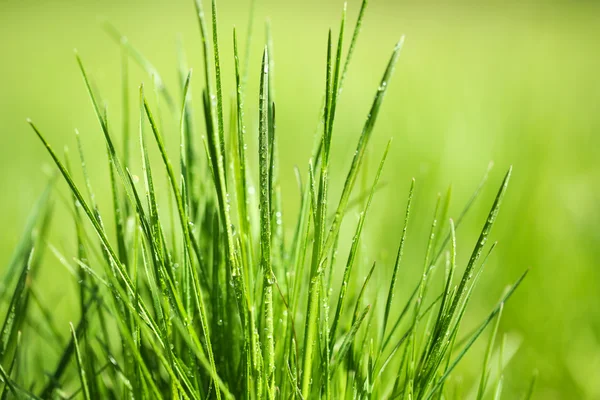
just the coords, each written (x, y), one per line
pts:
(203, 294)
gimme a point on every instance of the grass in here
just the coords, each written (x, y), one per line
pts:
(202, 296)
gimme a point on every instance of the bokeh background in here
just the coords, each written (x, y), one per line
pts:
(513, 82)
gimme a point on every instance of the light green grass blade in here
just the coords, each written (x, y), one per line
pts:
(142, 62)
(25, 243)
(488, 353)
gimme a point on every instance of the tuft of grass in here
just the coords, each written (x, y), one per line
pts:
(201, 296)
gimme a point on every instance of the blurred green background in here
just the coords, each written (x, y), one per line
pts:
(516, 83)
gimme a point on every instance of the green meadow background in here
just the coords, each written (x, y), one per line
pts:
(513, 82)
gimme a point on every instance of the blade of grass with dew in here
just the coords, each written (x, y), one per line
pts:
(354, 248)
(240, 169)
(265, 226)
(186, 232)
(357, 27)
(185, 228)
(82, 254)
(476, 335)
(277, 237)
(362, 144)
(390, 296)
(220, 178)
(355, 34)
(209, 116)
(435, 351)
(427, 267)
(124, 282)
(427, 376)
(316, 262)
(189, 159)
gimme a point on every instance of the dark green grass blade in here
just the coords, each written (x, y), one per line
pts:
(8, 388)
(18, 392)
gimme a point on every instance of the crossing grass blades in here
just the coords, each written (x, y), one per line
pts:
(221, 300)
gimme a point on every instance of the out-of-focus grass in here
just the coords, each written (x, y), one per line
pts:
(517, 84)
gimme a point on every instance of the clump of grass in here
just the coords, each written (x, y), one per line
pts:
(214, 302)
